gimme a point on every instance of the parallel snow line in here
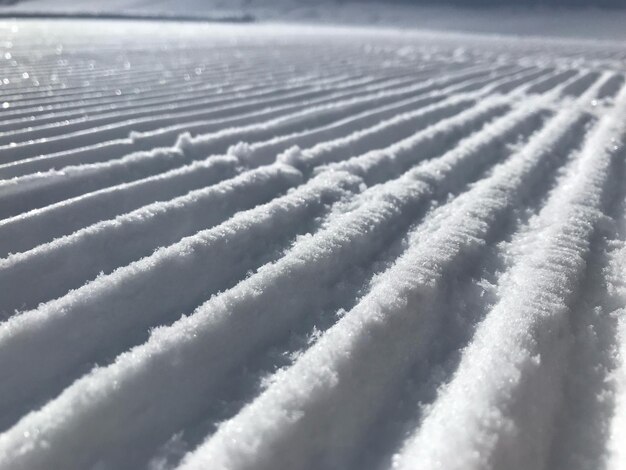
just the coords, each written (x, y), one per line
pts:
(73, 84)
(26, 231)
(41, 225)
(578, 86)
(140, 117)
(120, 93)
(512, 76)
(78, 138)
(28, 193)
(31, 192)
(21, 91)
(362, 135)
(345, 233)
(114, 149)
(25, 261)
(587, 406)
(212, 65)
(75, 259)
(219, 93)
(463, 298)
(470, 157)
(77, 71)
(334, 391)
(312, 258)
(434, 93)
(42, 108)
(536, 76)
(382, 133)
(358, 77)
(76, 329)
(138, 94)
(110, 86)
(337, 153)
(512, 367)
(381, 164)
(146, 89)
(265, 151)
(550, 82)
(231, 83)
(611, 383)
(611, 87)
(204, 142)
(145, 121)
(118, 148)
(52, 96)
(211, 69)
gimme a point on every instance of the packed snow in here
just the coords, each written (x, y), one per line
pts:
(296, 247)
(524, 17)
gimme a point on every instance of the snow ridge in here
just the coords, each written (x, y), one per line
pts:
(234, 250)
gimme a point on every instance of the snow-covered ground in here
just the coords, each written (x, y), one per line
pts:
(515, 18)
(273, 247)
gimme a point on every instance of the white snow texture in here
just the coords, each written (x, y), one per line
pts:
(260, 247)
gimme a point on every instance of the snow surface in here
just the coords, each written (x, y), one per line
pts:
(262, 247)
(509, 18)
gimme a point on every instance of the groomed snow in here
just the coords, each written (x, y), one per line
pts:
(261, 247)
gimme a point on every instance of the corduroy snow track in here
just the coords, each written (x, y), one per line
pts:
(248, 247)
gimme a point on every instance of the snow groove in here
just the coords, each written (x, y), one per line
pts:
(524, 364)
(321, 383)
(233, 249)
(258, 233)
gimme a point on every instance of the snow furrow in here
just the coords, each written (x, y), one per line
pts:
(310, 398)
(272, 107)
(606, 338)
(40, 223)
(266, 246)
(80, 94)
(83, 159)
(26, 231)
(378, 165)
(532, 334)
(167, 136)
(100, 248)
(395, 114)
(54, 137)
(28, 192)
(384, 210)
(552, 81)
(142, 118)
(145, 89)
(309, 259)
(74, 330)
(588, 401)
(362, 139)
(382, 163)
(221, 93)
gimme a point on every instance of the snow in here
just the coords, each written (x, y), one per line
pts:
(260, 247)
(513, 18)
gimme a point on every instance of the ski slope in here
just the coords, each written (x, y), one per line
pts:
(289, 247)
(552, 18)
